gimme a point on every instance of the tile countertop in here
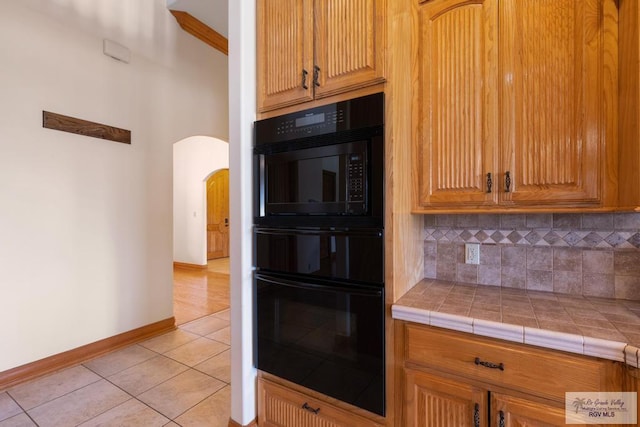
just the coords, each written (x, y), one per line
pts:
(599, 327)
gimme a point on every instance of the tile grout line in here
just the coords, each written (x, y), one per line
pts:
(73, 391)
(57, 397)
(193, 406)
(21, 408)
(132, 397)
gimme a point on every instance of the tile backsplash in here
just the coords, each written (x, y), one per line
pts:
(582, 254)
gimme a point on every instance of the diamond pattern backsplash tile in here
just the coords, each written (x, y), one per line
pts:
(601, 239)
(579, 254)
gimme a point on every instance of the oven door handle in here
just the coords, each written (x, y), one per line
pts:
(318, 287)
(373, 232)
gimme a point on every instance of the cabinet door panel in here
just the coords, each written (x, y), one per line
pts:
(556, 93)
(517, 412)
(458, 105)
(285, 52)
(432, 401)
(349, 44)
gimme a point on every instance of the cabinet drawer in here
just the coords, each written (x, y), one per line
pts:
(281, 406)
(545, 373)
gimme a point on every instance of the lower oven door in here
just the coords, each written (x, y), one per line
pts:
(325, 336)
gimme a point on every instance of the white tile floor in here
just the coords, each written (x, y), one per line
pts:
(181, 378)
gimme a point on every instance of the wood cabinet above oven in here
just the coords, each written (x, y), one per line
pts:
(310, 49)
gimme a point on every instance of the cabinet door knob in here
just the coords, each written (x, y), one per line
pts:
(304, 79)
(507, 181)
(489, 182)
(316, 75)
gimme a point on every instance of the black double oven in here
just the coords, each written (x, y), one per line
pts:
(319, 251)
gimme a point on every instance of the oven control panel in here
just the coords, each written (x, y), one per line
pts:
(310, 124)
(356, 177)
(348, 115)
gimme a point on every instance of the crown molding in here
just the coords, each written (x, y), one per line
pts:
(201, 31)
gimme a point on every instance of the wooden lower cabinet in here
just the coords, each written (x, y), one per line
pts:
(454, 379)
(512, 411)
(279, 406)
(431, 400)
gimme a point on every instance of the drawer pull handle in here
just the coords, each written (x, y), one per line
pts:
(507, 182)
(501, 420)
(489, 182)
(309, 408)
(476, 416)
(489, 364)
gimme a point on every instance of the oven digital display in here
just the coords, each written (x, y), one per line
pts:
(312, 119)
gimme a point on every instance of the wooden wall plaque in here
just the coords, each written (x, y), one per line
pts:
(84, 127)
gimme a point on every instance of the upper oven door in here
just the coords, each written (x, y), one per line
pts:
(353, 255)
(321, 167)
(335, 185)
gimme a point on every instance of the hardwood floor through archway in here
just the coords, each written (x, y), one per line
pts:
(198, 293)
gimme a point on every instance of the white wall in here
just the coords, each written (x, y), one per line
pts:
(194, 159)
(86, 224)
(242, 113)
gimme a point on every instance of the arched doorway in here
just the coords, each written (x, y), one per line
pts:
(200, 288)
(195, 159)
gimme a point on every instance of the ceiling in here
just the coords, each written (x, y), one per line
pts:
(214, 13)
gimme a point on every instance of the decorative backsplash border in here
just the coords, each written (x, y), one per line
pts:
(594, 231)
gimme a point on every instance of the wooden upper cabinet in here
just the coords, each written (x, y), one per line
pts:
(558, 61)
(629, 42)
(349, 45)
(458, 105)
(285, 52)
(523, 90)
(312, 49)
